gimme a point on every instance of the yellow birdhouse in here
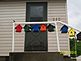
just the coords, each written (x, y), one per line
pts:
(72, 32)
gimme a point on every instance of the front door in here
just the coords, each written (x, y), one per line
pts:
(36, 12)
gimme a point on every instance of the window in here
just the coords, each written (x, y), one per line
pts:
(36, 11)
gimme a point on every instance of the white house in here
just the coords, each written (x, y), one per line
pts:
(24, 10)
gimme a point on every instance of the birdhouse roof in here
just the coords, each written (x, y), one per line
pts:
(79, 34)
(71, 30)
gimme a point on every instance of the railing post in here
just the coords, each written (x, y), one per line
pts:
(58, 46)
(13, 37)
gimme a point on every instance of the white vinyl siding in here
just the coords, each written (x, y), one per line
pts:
(10, 11)
(57, 9)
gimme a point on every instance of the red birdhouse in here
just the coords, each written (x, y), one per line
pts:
(18, 28)
(43, 28)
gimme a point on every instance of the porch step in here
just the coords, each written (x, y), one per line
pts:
(46, 56)
(39, 56)
(4, 58)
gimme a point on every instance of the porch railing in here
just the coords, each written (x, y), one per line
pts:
(52, 22)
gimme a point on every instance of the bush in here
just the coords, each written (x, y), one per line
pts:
(75, 46)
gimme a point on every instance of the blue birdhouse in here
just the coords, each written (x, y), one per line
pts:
(64, 29)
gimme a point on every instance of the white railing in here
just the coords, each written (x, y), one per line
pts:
(52, 22)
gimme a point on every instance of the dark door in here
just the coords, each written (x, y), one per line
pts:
(36, 12)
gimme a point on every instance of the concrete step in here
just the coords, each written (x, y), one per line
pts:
(46, 56)
(39, 56)
(4, 58)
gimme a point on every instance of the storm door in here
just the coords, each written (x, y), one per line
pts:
(36, 12)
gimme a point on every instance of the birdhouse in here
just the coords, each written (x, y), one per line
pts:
(35, 28)
(27, 28)
(71, 32)
(79, 36)
(18, 28)
(43, 28)
(64, 29)
(51, 28)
